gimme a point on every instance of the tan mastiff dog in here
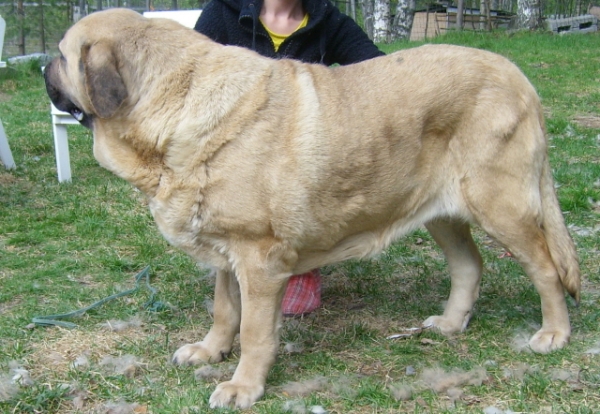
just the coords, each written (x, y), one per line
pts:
(264, 168)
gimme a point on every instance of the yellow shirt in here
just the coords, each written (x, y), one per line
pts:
(278, 38)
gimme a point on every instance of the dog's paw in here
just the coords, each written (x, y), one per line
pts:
(197, 353)
(231, 394)
(545, 341)
(447, 326)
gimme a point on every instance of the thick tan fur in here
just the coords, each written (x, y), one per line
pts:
(263, 169)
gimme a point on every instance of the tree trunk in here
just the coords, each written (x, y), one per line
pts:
(42, 28)
(367, 9)
(403, 22)
(21, 23)
(485, 16)
(381, 21)
(82, 8)
(528, 14)
(460, 15)
(69, 11)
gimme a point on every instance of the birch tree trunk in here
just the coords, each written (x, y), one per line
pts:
(402, 25)
(367, 11)
(528, 14)
(381, 21)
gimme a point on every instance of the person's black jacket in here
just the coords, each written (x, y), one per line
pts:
(329, 37)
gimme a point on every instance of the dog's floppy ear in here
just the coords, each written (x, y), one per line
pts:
(103, 83)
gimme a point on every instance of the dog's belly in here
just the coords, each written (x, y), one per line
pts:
(446, 203)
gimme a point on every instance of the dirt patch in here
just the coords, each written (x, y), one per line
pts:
(65, 349)
(441, 381)
(587, 121)
(7, 178)
(590, 287)
(6, 307)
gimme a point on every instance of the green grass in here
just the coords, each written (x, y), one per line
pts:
(66, 246)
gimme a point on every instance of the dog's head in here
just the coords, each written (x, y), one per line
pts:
(106, 71)
(86, 80)
(150, 89)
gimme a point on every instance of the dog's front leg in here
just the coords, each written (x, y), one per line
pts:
(227, 313)
(262, 288)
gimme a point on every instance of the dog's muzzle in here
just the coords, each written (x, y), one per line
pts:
(62, 101)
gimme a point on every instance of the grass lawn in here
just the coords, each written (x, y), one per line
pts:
(65, 246)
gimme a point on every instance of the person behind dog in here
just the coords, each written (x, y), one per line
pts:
(312, 31)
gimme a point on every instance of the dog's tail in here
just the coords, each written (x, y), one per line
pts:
(560, 243)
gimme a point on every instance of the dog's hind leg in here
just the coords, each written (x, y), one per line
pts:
(508, 211)
(465, 266)
(528, 245)
(227, 314)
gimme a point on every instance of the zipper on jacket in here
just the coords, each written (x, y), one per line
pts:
(254, 30)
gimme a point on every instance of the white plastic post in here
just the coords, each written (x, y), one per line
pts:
(5, 154)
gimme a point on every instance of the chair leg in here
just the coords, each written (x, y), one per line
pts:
(5, 154)
(61, 148)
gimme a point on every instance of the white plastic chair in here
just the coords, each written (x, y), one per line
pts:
(188, 18)
(61, 119)
(5, 154)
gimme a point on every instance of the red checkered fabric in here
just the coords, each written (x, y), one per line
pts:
(303, 294)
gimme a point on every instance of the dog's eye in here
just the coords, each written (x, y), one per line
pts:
(77, 114)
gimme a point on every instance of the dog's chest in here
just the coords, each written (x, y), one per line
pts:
(184, 226)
